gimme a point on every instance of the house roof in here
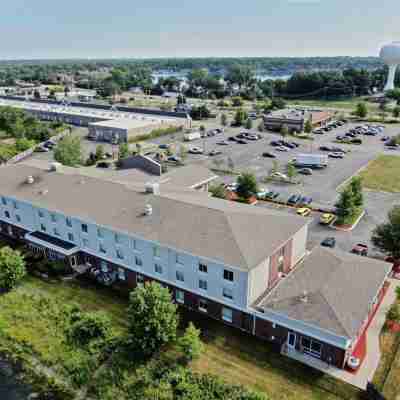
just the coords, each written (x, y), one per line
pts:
(234, 234)
(338, 287)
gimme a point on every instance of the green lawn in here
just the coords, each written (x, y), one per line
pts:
(382, 174)
(345, 105)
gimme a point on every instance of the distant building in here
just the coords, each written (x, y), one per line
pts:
(295, 119)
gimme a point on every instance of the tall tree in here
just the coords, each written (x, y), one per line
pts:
(386, 236)
(190, 343)
(357, 190)
(361, 110)
(247, 185)
(152, 318)
(345, 207)
(12, 268)
(68, 151)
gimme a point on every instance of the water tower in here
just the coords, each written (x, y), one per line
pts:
(390, 54)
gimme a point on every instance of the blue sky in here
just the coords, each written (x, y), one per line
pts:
(177, 28)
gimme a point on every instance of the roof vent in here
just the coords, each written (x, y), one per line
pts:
(55, 166)
(148, 209)
(153, 188)
(30, 179)
(304, 297)
(43, 192)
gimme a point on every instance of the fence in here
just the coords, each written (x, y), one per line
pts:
(21, 156)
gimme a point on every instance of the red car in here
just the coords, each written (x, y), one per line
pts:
(360, 249)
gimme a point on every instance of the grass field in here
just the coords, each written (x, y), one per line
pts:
(345, 105)
(382, 174)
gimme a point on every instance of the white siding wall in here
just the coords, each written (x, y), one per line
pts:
(90, 242)
(258, 281)
(299, 245)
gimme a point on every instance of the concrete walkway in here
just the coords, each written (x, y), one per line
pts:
(371, 361)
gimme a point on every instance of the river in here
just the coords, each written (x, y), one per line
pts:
(10, 388)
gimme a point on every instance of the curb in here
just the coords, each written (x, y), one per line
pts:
(356, 222)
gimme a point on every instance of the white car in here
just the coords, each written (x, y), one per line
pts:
(232, 186)
(279, 175)
(281, 148)
(262, 193)
(196, 150)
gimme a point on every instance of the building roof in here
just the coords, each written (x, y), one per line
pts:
(298, 115)
(332, 290)
(128, 123)
(237, 235)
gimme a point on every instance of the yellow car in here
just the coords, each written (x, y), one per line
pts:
(326, 219)
(304, 211)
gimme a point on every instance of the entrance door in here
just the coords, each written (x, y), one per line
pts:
(73, 261)
(291, 342)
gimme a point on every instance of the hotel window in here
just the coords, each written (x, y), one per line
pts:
(203, 284)
(158, 268)
(70, 237)
(179, 259)
(228, 275)
(139, 279)
(7, 214)
(102, 248)
(68, 222)
(56, 232)
(4, 201)
(179, 276)
(15, 205)
(179, 296)
(85, 243)
(156, 251)
(41, 214)
(53, 218)
(120, 254)
(227, 293)
(43, 227)
(203, 305)
(135, 245)
(100, 233)
(104, 266)
(117, 238)
(121, 274)
(203, 268)
(84, 228)
(18, 218)
(227, 314)
(138, 261)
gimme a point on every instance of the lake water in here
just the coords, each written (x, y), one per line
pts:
(10, 389)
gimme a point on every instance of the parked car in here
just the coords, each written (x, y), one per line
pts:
(304, 211)
(306, 171)
(280, 176)
(253, 115)
(326, 219)
(294, 199)
(215, 152)
(272, 195)
(174, 159)
(252, 137)
(219, 130)
(360, 249)
(305, 201)
(275, 143)
(232, 186)
(103, 164)
(268, 154)
(282, 148)
(241, 141)
(329, 242)
(195, 150)
(385, 138)
(232, 138)
(41, 149)
(356, 141)
(262, 193)
(164, 146)
(223, 143)
(336, 155)
(325, 148)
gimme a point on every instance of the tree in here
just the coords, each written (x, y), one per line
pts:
(393, 313)
(152, 318)
(123, 151)
(345, 207)
(361, 110)
(284, 131)
(240, 117)
(218, 191)
(23, 144)
(247, 185)
(394, 95)
(308, 127)
(396, 112)
(190, 343)
(291, 171)
(99, 152)
(12, 268)
(386, 236)
(68, 151)
(183, 152)
(224, 120)
(249, 124)
(357, 190)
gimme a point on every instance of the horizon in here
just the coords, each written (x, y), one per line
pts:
(288, 28)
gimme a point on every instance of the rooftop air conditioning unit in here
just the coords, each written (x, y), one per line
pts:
(153, 188)
(30, 179)
(55, 166)
(148, 209)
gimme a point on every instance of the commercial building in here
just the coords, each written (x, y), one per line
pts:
(104, 124)
(295, 119)
(246, 266)
(123, 129)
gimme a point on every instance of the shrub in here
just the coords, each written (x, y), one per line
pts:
(190, 343)
(394, 313)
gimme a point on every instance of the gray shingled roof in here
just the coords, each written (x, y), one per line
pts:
(339, 286)
(237, 235)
